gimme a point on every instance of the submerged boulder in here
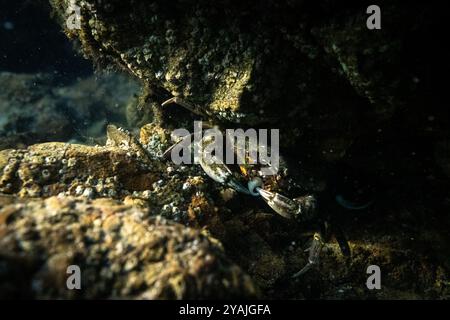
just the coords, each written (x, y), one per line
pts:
(141, 227)
(121, 253)
(312, 69)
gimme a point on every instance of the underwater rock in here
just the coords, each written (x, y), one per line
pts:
(313, 69)
(121, 170)
(238, 67)
(178, 193)
(269, 248)
(54, 168)
(120, 250)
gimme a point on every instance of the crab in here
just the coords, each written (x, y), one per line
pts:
(303, 209)
(247, 179)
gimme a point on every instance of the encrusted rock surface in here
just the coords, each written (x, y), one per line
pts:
(121, 252)
(266, 246)
(52, 168)
(313, 69)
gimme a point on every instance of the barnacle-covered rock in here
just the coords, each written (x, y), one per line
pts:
(313, 70)
(54, 168)
(120, 250)
(232, 60)
(180, 193)
(266, 246)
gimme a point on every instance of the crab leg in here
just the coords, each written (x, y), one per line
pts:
(184, 104)
(185, 140)
(314, 254)
(302, 208)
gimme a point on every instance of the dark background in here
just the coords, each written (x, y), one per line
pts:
(30, 41)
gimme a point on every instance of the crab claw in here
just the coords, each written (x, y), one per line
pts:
(314, 254)
(302, 208)
(219, 172)
(214, 166)
(280, 204)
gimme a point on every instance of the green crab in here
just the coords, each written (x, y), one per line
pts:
(247, 179)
